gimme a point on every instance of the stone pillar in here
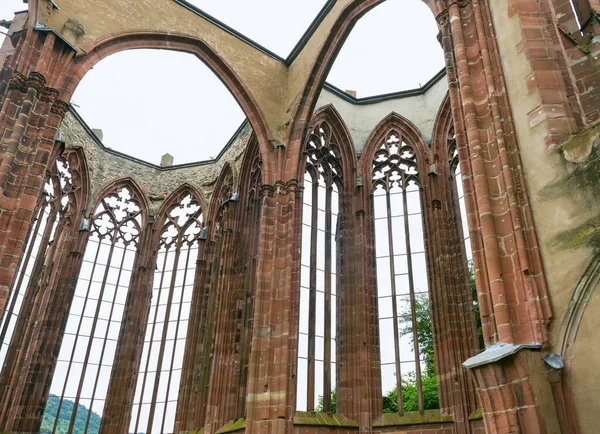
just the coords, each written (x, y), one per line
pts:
(128, 355)
(271, 397)
(359, 391)
(30, 115)
(225, 370)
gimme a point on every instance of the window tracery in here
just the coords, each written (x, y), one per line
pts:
(95, 316)
(318, 283)
(157, 388)
(402, 280)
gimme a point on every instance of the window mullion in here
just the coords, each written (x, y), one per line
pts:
(394, 299)
(185, 271)
(163, 342)
(91, 340)
(112, 308)
(150, 344)
(312, 310)
(328, 259)
(413, 304)
(77, 335)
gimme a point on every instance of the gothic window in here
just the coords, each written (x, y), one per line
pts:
(96, 313)
(54, 213)
(158, 382)
(402, 281)
(318, 282)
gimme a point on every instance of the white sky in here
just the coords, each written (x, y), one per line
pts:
(151, 102)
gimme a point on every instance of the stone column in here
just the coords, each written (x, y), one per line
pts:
(359, 391)
(271, 394)
(30, 115)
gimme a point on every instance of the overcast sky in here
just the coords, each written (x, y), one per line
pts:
(152, 102)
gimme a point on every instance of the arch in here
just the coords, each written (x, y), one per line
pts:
(79, 171)
(223, 191)
(443, 122)
(338, 34)
(174, 197)
(407, 131)
(112, 44)
(248, 171)
(329, 114)
(577, 306)
(138, 194)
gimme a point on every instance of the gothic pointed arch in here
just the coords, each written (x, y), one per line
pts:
(126, 183)
(112, 44)
(175, 197)
(250, 178)
(403, 131)
(328, 124)
(223, 192)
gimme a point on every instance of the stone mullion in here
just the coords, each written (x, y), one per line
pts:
(128, 354)
(221, 390)
(271, 394)
(39, 361)
(191, 402)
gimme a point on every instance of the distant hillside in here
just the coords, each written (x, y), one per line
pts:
(65, 418)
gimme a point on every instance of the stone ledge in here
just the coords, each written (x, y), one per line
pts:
(233, 426)
(412, 418)
(497, 352)
(312, 418)
(578, 148)
(476, 415)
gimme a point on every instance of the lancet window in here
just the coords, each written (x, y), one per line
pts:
(158, 383)
(402, 281)
(318, 281)
(54, 211)
(96, 313)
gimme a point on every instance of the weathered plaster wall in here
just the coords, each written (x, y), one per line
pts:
(421, 110)
(105, 167)
(584, 366)
(552, 213)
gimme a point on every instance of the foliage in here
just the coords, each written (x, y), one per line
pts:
(476, 309)
(424, 331)
(321, 403)
(410, 399)
(65, 418)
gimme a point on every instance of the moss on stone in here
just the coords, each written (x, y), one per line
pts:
(412, 418)
(323, 419)
(233, 426)
(477, 415)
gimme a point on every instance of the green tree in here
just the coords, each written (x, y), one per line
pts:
(476, 309)
(410, 397)
(320, 406)
(424, 331)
